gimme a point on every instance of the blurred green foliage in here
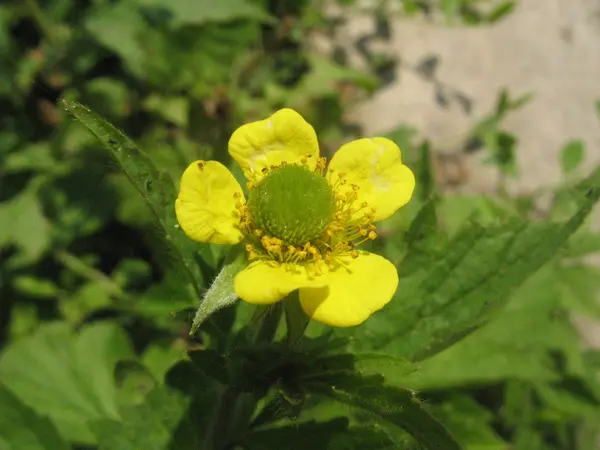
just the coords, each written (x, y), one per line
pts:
(98, 288)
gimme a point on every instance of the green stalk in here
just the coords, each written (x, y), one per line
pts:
(235, 407)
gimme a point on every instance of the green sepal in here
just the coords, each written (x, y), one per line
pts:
(221, 292)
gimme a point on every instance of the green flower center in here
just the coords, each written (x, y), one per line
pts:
(292, 203)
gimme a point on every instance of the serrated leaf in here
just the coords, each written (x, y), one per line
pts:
(442, 302)
(155, 187)
(67, 376)
(527, 326)
(21, 428)
(572, 156)
(331, 435)
(398, 407)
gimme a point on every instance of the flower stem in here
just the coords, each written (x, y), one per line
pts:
(235, 407)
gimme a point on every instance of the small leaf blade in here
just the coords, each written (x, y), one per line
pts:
(156, 187)
(572, 155)
(220, 294)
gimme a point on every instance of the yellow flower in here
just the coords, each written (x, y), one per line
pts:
(302, 221)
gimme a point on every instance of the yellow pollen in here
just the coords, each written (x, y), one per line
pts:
(351, 224)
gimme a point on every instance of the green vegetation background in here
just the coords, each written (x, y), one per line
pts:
(96, 305)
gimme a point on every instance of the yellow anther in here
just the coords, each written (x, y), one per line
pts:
(354, 254)
(372, 235)
(201, 165)
(355, 187)
(291, 249)
(248, 247)
(236, 195)
(258, 232)
(364, 204)
(362, 231)
(250, 184)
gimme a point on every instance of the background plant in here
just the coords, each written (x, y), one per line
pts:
(477, 350)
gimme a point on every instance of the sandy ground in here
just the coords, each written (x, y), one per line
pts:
(550, 48)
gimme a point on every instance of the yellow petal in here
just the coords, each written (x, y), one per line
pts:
(375, 165)
(265, 282)
(354, 291)
(285, 136)
(205, 206)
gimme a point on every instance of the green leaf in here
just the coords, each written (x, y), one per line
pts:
(582, 243)
(155, 187)
(323, 79)
(394, 370)
(89, 297)
(21, 428)
(22, 223)
(158, 359)
(148, 426)
(500, 11)
(295, 318)
(220, 294)
(579, 287)
(447, 299)
(188, 12)
(34, 286)
(572, 156)
(111, 97)
(527, 326)
(398, 407)
(67, 376)
(35, 157)
(470, 423)
(126, 25)
(173, 109)
(450, 8)
(331, 435)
